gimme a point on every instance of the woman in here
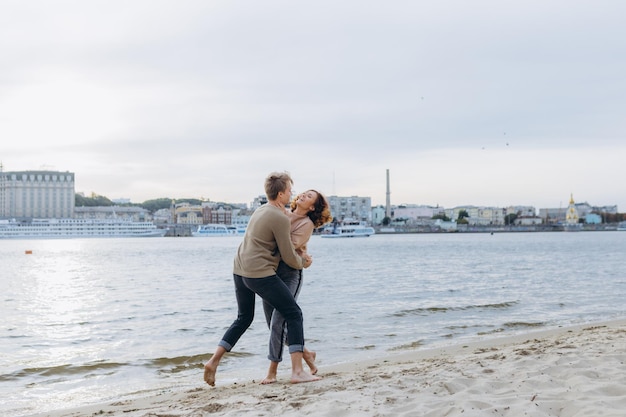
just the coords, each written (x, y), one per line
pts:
(309, 211)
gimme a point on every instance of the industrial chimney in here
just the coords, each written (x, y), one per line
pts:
(388, 207)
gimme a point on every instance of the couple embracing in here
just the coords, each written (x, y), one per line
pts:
(269, 262)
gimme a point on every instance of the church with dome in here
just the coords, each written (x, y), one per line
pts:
(571, 215)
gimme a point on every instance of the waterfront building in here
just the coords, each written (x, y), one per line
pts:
(216, 213)
(524, 215)
(521, 211)
(407, 214)
(585, 208)
(593, 218)
(453, 213)
(571, 215)
(353, 207)
(568, 215)
(413, 212)
(207, 213)
(605, 209)
(528, 221)
(132, 213)
(448, 226)
(558, 215)
(378, 215)
(163, 215)
(258, 202)
(479, 216)
(37, 194)
(552, 215)
(241, 219)
(486, 216)
(185, 213)
(582, 208)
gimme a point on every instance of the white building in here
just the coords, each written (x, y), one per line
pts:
(37, 194)
(258, 202)
(521, 211)
(479, 216)
(413, 212)
(133, 213)
(354, 207)
(378, 215)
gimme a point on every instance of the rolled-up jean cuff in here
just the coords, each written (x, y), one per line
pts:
(296, 348)
(225, 345)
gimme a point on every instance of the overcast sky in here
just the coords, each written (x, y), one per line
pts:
(488, 103)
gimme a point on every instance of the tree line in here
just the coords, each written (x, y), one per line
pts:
(151, 205)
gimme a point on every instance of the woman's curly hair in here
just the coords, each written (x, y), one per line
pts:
(320, 215)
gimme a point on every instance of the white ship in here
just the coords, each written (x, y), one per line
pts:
(72, 228)
(348, 229)
(217, 230)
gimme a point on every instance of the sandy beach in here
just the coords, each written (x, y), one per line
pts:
(568, 371)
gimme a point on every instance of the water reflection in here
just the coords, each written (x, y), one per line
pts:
(60, 301)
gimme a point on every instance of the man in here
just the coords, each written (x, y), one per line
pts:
(266, 241)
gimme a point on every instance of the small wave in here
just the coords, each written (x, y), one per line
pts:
(522, 324)
(167, 365)
(61, 370)
(512, 326)
(367, 347)
(462, 327)
(15, 336)
(182, 363)
(424, 311)
(494, 331)
(408, 346)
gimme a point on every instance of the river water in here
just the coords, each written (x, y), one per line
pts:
(92, 320)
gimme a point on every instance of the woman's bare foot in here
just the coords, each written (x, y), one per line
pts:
(271, 374)
(303, 376)
(309, 358)
(209, 374)
(269, 379)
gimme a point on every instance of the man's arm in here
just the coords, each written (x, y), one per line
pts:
(282, 234)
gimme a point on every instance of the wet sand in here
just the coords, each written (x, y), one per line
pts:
(568, 371)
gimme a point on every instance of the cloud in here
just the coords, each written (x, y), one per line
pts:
(487, 102)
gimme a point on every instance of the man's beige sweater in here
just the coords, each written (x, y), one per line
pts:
(266, 241)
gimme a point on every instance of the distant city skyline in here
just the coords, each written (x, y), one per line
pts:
(466, 103)
(126, 200)
(564, 204)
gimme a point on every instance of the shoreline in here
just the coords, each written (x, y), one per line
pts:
(562, 371)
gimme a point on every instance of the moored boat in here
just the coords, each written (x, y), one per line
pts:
(348, 229)
(73, 228)
(216, 230)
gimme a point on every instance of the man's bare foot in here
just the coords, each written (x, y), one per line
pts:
(303, 376)
(309, 358)
(209, 374)
(269, 379)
